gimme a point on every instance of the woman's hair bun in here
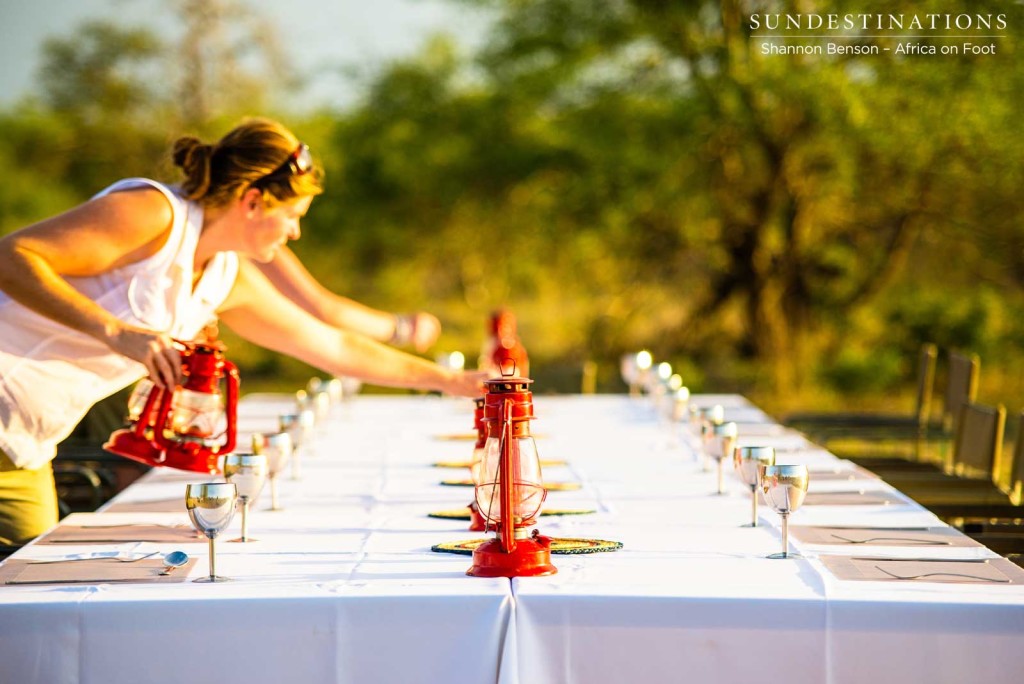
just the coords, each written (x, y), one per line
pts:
(193, 157)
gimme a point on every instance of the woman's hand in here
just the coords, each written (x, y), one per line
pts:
(156, 351)
(466, 384)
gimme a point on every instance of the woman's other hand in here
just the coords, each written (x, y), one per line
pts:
(156, 351)
(425, 330)
(466, 384)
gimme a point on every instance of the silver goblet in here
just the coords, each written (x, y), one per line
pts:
(211, 506)
(300, 427)
(681, 405)
(707, 418)
(785, 487)
(720, 446)
(277, 447)
(749, 460)
(248, 472)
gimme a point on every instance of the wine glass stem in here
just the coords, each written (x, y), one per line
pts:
(720, 483)
(213, 566)
(245, 519)
(753, 506)
(273, 494)
(785, 535)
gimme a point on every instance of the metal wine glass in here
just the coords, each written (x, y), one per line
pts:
(749, 460)
(277, 447)
(248, 472)
(211, 506)
(707, 418)
(784, 487)
(300, 427)
(720, 447)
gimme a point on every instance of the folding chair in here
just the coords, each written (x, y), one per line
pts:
(961, 388)
(993, 513)
(974, 477)
(821, 426)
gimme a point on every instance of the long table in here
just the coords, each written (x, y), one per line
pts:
(343, 586)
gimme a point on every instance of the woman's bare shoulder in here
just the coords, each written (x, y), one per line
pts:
(119, 228)
(142, 206)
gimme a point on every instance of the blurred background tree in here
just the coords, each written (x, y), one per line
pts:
(624, 174)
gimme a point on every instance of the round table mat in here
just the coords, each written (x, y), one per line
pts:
(463, 513)
(465, 437)
(559, 545)
(544, 463)
(550, 486)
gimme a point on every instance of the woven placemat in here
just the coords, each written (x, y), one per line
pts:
(465, 437)
(544, 463)
(550, 486)
(119, 534)
(463, 513)
(91, 571)
(456, 437)
(559, 545)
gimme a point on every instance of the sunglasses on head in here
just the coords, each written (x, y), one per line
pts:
(298, 163)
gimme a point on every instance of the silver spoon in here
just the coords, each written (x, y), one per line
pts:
(175, 559)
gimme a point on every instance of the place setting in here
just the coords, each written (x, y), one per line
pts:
(99, 531)
(923, 536)
(964, 571)
(137, 563)
(910, 553)
(210, 506)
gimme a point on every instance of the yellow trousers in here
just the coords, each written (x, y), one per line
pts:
(28, 502)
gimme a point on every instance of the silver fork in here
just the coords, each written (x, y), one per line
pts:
(113, 558)
(941, 574)
(922, 542)
(138, 524)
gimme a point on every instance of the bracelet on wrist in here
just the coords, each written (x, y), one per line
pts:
(405, 326)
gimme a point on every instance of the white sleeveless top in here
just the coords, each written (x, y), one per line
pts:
(50, 375)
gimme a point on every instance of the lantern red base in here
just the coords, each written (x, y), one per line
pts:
(128, 444)
(477, 523)
(531, 558)
(192, 457)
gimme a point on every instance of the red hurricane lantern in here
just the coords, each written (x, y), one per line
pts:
(477, 523)
(503, 346)
(511, 491)
(180, 428)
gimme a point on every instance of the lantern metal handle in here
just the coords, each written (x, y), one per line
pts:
(512, 373)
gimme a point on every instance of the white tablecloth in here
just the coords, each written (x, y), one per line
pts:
(343, 587)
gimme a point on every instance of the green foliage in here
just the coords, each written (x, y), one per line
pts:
(624, 174)
(865, 371)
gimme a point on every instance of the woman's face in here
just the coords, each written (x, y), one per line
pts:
(271, 227)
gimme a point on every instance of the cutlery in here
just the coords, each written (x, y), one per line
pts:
(909, 540)
(93, 558)
(941, 574)
(97, 540)
(922, 560)
(176, 526)
(881, 529)
(175, 559)
(70, 581)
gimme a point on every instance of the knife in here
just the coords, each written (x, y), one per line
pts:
(879, 529)
(922, 560)
(80, 581)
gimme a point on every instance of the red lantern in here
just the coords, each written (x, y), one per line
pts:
(503, 345)
(477, 523)
(512, 490)
(183, 428)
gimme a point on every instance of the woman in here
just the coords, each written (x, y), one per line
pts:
(92, 300)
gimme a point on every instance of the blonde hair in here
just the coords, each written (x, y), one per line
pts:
(218, 174)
